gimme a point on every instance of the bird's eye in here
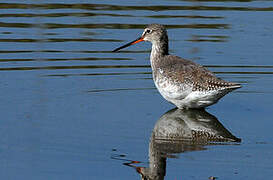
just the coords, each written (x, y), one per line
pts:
(148, 30)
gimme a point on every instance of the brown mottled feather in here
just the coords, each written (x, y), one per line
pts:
(185, 71)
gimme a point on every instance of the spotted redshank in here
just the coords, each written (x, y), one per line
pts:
(180, 81)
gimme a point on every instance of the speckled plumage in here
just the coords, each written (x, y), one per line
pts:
(180, 81)
(187, 84)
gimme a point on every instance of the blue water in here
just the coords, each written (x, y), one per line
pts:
(69, 105)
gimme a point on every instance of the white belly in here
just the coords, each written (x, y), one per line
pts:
(182, 95)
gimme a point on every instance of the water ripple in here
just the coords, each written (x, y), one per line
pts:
(61, 40)
(120, 89)
(107, 7)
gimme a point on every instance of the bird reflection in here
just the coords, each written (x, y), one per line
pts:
(179, 131)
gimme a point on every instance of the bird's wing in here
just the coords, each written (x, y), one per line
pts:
(185, 71)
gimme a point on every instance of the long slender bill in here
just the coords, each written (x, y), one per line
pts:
(129, 44)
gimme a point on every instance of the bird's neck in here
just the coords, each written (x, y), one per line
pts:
(159, 50)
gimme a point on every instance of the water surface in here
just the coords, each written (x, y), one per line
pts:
(69, 105)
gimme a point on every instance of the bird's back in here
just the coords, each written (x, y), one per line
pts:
(187, 72)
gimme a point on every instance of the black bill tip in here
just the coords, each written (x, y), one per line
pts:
(129, 44)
